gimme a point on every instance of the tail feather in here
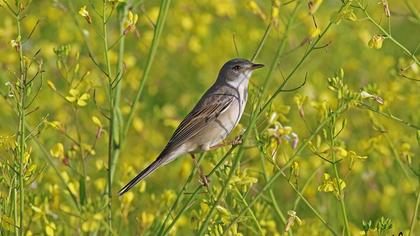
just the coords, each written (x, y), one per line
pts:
(143, 174)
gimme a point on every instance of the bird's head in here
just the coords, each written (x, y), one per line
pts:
(238, 69)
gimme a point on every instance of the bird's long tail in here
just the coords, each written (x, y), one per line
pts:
(143, 174)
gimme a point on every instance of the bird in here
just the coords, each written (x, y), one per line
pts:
(211, 120)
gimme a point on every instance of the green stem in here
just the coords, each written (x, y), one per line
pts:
(416, 209)
(163, 12)
(390, 116)
(309, 205)
(112, 117)
(279, 214)
(254, 218)
(397, 156)
(197, 189)
(117, 117)
(178, 198)
(337, 176)
(21, 126)
(389, 36)
(262, 42)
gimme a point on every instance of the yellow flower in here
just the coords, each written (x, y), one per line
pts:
(96, 121)
(187, 22)
(57, 151)
(314, 32)
(51, 85)
(50, 229)
(83, 12)
(100, 183)
(7, 223)
(127, 199)
(256, 10)
(275, 11)
(376, 41)
(332, 185)
(146, 219)
(80, 100)
(130, 22)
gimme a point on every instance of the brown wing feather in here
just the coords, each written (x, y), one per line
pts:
(204, 113)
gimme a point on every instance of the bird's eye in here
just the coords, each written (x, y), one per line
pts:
(236, 68)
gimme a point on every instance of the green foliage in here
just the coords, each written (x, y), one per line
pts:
(92, 90)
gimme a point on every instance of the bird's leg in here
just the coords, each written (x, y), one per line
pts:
(203, 178)
(234, 142)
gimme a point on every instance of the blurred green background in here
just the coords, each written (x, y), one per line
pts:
(198, 37)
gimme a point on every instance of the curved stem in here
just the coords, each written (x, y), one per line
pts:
(164, 7)
(388, 35)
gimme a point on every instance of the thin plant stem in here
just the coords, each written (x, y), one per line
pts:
(388, 34)
(397, 156)
(390, 116)
(163, 12)
(416, 209)
(305, 186)
(254, 218)
(276, 207)
(178, 198)
(333, 136)
(117, 117)
(309, 205)
(196, 190)
(22, 120)
(262, 42)
(112, 117)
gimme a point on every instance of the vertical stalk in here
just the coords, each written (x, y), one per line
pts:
(279, 215)
(163, 12)
(337, 176)
(117, 117)
(416, 209)
(111, 118)
(21, 126)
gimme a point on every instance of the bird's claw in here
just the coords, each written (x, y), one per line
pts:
(237, 140)
(204, 180)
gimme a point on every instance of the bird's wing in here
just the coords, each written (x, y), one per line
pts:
(207, 110)
(203, 114)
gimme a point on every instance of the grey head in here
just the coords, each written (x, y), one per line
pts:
(236, 70)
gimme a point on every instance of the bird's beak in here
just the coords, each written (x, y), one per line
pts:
(256, 66)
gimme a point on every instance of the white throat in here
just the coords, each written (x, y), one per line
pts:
(242, 81)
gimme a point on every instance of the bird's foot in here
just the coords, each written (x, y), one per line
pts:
(204, 180)
(238, 140)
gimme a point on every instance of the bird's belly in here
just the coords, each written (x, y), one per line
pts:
(220, 128)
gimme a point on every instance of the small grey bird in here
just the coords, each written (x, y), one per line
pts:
(211, 120)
